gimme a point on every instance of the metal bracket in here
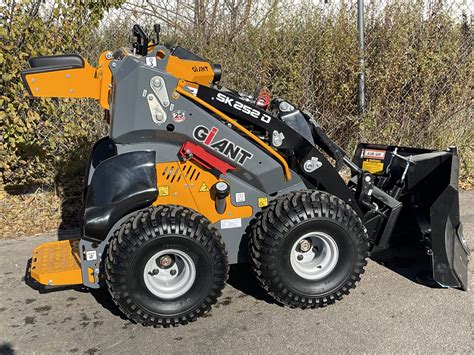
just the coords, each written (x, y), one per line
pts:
(312, 165)
(158, 86)
(158, 114)
(277, 138)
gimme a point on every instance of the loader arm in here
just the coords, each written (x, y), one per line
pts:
(292, 143)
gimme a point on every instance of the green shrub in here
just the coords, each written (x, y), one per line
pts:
(419, 75)
(39, 136)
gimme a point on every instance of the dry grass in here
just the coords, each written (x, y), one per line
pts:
(28, 214)
(42, 212)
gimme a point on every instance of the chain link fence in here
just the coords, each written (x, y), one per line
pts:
(419, 70)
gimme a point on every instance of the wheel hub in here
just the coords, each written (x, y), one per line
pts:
(314, 255)
(164, 261)
(169, 273)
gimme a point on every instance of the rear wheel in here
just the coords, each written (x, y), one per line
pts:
(308, 249)
(166, 266)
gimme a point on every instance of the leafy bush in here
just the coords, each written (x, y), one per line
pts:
(419, 73)
(40, 137)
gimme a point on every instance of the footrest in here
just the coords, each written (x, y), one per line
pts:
(57, 263)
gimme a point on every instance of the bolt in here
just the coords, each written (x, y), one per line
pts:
(165, 103)
(154, 272)
(305, 245)
(367, 178)
(157, 83)
(309, 165)
(284, 106)
(150, 97)
(108, 55)
(114, 64)
(299, 257)
(173, 272)
(277, 140)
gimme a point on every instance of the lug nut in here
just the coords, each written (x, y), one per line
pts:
(154, 272)
(305, 245)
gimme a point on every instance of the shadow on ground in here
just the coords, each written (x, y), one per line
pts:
(6, 349)
(242, 279)
(103, 297)
(407, 261)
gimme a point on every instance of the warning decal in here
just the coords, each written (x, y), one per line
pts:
(204, 188)
(374, 154)
(163, 191)
(372, 166)
(262, 202)
(231, 223)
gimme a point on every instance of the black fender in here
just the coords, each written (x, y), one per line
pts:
(120, 185)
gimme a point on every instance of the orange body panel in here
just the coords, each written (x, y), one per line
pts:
(57, 263)
(87, 82)
(189, 70)
(186, 184)
(80, 82)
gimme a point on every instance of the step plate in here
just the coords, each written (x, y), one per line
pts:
(57, 263)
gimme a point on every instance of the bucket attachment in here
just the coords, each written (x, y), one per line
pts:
(57, 263)
(426, 183)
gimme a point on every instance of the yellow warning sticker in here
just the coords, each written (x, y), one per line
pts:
(372, 166)
(204, 188)
(163, 191)
(262, 201)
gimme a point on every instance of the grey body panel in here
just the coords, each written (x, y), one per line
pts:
(132, 129)
(131, 122)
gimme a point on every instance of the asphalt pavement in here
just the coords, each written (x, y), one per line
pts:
(387, 312)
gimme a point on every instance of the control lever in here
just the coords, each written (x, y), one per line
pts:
(397, 189)
(157, 29)
(140, 40)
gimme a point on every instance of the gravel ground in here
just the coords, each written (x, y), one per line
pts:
(387, 312)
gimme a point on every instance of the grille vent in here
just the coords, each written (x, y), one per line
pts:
(173, 173)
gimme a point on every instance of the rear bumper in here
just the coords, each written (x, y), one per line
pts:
(56, 264)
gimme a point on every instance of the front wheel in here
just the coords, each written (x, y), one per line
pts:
(166, 266)
(308, 249)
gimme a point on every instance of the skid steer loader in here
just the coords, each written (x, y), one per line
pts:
(194, 176)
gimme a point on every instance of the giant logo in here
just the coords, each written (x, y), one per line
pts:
(223, 146)
(240, 106)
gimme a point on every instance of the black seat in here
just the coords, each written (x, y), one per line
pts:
(70, 61)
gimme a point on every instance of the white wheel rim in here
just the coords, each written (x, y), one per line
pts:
(319, 260)
(173, 281)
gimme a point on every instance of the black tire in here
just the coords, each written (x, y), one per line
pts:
(144, 235)
(279, 226)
